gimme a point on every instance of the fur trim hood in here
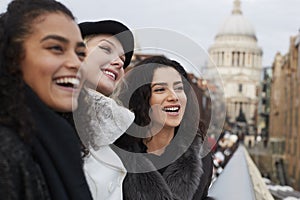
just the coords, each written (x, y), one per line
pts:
(180, 179)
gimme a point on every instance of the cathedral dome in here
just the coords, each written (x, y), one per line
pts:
(236, 24)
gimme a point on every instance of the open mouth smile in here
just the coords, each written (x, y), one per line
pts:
(69, 82)
(111, 74)
(171, 109)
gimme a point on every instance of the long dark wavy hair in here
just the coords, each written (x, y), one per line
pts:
(16, 24)
(135, 92)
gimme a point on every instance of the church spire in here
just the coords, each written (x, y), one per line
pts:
(237, 7)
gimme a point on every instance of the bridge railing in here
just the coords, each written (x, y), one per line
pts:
(240, 180)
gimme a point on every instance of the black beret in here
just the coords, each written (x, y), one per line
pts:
(119, 30)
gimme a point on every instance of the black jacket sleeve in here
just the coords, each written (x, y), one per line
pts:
(20, 176)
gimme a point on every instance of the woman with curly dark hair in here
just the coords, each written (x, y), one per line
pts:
(41, 50)
(175, 161)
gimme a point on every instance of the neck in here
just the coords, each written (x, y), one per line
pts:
(158, 142)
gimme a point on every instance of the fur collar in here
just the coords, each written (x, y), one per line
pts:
(108, 120)
(180, 180)
(183, 176)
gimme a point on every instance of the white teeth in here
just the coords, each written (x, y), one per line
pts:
(68, 80)
(110, 74)
(171, 109)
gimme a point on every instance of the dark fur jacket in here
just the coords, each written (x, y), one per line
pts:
(187, 178)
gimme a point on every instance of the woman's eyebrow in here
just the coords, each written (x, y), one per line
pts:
(55, 37)
(81, 44)
(177, 82)
(108, 42)
(161, 84)
(62, 39)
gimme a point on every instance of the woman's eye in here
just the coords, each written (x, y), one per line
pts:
(105, 48)
(81, 55)
(159, 89)
(180, 88)
(56, 48)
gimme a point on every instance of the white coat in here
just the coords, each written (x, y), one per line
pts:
(105, 174)
(103, 168)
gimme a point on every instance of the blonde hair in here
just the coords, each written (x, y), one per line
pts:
(87, 38)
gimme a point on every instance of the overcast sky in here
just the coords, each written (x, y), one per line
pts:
(273, 20)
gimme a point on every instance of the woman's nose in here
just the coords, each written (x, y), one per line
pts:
(118, 62)
(73, 62)
(172, 96)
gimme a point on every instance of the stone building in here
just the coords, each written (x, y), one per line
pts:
(284, 118)
(239, 60)
(264, 106)
(200, 87)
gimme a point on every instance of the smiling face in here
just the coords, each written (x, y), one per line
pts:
(168, 99)
(104, 63)
(53, 55)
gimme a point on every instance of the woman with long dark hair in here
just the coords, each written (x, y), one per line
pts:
(175, 161)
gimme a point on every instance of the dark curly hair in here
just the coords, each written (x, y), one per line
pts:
(135, 92)
(16, 24)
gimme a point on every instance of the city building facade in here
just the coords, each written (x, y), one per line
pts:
(284, 118)
(238, 58)
(264, 106)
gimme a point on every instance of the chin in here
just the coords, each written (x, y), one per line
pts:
(173, 125)
(105, 90)
(69, 107)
